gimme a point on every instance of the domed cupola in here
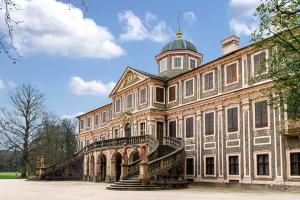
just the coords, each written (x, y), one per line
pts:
(178, 56)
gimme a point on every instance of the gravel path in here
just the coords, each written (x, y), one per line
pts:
(28, 190)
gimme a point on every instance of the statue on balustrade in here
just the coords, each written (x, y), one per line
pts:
(125, 155)
(143, 152)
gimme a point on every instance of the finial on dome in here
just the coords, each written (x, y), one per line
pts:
(179, 35)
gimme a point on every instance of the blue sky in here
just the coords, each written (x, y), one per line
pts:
(75, 57)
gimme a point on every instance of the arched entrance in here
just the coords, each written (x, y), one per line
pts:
(116, 163)
(92, 168)
(134, 156)
(101, 164)
(128, 130)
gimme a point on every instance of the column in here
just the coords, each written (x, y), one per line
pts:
(199, 144)
(220, 142)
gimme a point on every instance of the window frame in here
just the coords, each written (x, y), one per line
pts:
(82, 125)
(173, 120)
(237, 73)
(252, 62)
(255, 164)
(192, 58)
(166, 66)
(253, 115)
(215, 168)
(132, 101)
(232, 176)
(164, 96)
(185, 118)
(174, 85)
(173, 62)
(203, 81)
(96, 117)
(288, 159)
(184, 88)
(118, 99)
(103, 119)
(142, 122)
(140, 103)
(194, 166)
(238, 119)
(214, 125)
(114, 135)
(89, 119)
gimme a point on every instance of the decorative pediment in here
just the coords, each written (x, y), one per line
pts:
(129, 78)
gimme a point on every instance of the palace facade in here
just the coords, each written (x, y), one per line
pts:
(229, 131)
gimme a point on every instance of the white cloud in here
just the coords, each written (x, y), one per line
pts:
(242, 21)
(137, 30)
(90, 88)
(51, 27)
(1, 85)
(72, 116)
(190, 17)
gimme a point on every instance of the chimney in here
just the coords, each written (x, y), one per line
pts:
(230, 44)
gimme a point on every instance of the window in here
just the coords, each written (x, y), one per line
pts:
(118, 105)
(177, 62)
(259, 63)
(209, 124)
(233, 162)
(129, 101)
(192, 63)
(142, 128)
(89, 122)
(81, 124)
(232, 120)
(210, 165)
(295, 164)
(189, 127)
(163, 65)
(189, 88)
(189, 166)
(160, 94)
(116, 133)
(262, 164)
(172, 93)
(231, 73)
(96, 120)
(142, 96)
(172, 129)
(261, 114)
(104, 117)
(209, 81)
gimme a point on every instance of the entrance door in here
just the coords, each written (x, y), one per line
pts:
(160, 131)
(118, 163)
(102, 168)
(128, 130)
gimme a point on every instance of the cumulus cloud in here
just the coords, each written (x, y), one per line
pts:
(80, 87)
(242, 21)
(136, 29)
(190, 17)
(1, 85)
(49, 26)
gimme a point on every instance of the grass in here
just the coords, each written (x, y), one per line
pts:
(9, 175)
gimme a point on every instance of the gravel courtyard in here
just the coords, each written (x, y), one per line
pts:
(27, 190)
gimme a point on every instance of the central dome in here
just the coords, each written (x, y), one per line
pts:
(179, 44)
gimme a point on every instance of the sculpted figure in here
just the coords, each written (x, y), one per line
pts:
(143, 152)
(42, 161)
(125, 155)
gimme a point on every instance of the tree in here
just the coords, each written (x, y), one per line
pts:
(279, 30)
(19, 127)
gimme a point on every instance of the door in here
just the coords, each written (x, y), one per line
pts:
(160, 131)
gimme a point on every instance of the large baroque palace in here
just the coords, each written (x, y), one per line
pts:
(228, 131)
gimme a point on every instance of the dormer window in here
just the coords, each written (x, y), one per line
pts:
(177, 62)
(192, 63)
(163, 65)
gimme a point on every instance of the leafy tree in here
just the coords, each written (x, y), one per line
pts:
(279, 30)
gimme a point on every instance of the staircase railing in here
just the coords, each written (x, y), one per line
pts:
(153, 143)
(169, 161)
(117, 142)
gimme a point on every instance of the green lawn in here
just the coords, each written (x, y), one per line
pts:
(9, 175)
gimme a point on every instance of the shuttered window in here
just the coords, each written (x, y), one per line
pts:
(189, 166)
(263, 164)
(259, 63)
(232, 119)
(231, 73)
(295, 164)
(209, 123)
(209, 81)
(210, 165)
(172, 93)
(172, 129)
(261, 114)
(189, 88)
(143, 96)
(189, 127)
(233, 165)
(160, 94)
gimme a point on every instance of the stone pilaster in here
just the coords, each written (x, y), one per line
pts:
(199, 144)
(180, 127)
(220, 142)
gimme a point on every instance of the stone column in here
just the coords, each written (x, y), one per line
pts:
(220, 142)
